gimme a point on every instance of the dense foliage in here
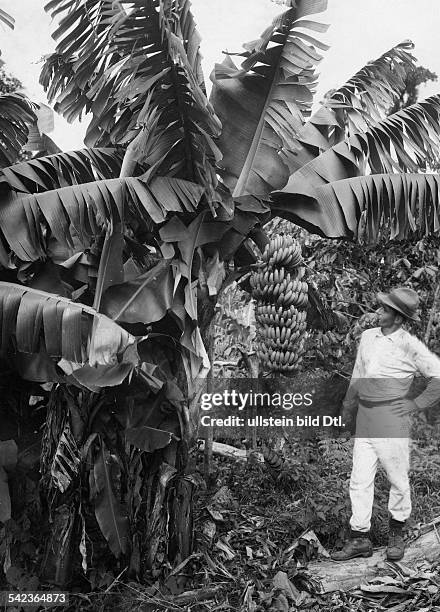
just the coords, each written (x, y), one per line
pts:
(349, 276)
(112, 257)
(8, 83)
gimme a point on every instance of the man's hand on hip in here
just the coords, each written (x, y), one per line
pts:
(404, 407)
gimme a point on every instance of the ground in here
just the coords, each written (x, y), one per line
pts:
(249, 552)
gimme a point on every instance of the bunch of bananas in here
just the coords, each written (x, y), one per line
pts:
(281, 297)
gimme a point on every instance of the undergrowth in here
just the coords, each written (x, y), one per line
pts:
(316, 494)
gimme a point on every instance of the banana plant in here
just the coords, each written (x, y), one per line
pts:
(166, 203)
(18, 116)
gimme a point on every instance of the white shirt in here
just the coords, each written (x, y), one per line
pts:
(385, 367)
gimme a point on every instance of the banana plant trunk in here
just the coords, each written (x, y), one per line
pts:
(182, 504)
(60, 485)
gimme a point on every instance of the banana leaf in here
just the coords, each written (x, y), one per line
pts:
(66, 461)
(261, 104)
(369, 207)
(401, 142)
(148, 439)
(146, 299)
(148, 53)
(357, 105)
(7, 19)
(58, 332)
(81, 212)
(62, 169)
(112, 520)
(16, 114)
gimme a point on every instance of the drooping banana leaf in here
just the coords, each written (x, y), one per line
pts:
(401, 142)
(407, 140)
(355, 106)
(16, 114)
(62, 169)
(368, 95)
(147, 51)
(82, 211)
(67, 334)
(261, 105)
(368, 207)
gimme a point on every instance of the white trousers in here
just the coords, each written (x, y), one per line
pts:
(393, 454)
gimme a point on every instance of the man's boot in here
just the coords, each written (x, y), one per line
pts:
(396, 543)
(359, 545)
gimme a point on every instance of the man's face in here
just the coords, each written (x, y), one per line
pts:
(387, 316)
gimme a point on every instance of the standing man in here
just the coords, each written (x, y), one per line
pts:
(388, 357)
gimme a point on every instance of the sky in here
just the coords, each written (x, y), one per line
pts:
(359, 31)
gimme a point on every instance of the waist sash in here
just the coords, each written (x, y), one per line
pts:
(375, 403)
